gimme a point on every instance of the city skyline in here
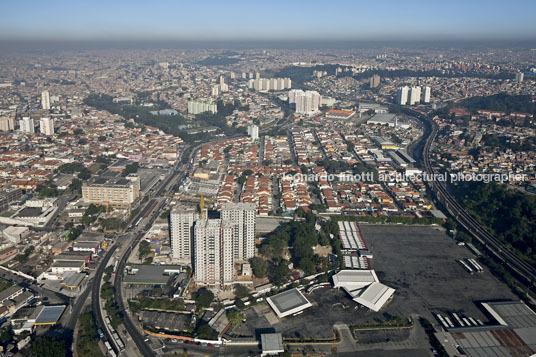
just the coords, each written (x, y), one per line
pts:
(342, 20)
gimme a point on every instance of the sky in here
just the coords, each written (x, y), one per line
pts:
(267, 20)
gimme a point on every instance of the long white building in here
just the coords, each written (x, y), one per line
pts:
(199, 106)
(267, 84)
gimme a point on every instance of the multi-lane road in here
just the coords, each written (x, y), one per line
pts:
(524, 272)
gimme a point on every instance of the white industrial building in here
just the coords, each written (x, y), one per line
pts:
(288, 302)
(364, 287)
(16, 234)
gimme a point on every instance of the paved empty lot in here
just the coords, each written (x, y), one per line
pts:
(420, 262)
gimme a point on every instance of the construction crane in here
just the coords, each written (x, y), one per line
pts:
(189, 198)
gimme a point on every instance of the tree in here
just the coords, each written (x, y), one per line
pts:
(307, 265)
(259, 267)
(84, 174)
(206, 332)
(75, 185)
(144, 249)
(449, 225)
(299, 212)
(281, 273)
(47, 346)
(235, 318)
(241, 291)
(107, 291)
(130, 169)
(204, 297)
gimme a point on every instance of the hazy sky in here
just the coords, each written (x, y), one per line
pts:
(267, 19)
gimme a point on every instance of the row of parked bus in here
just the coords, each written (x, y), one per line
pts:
(115, 337)
(457, 320)
(471, 265)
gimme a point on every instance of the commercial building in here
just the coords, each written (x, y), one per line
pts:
(511, 331)
(46, 126)
(242, 215)
(16, 234)
(6, 197)
(384, 119)
(340, 114)
(144, 274)
(364, 287)
(377, 108)
(7, 124)
(26, 125)
(288, 302)
(49, 315)
(181, 231)
(198, 106)
(64, 266)
(119, 192)
(272, 344)
(45, 100)
(35, 212)
(213, 252)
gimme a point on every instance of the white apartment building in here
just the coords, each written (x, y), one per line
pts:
(45, 100)
(198, 106)
(306, 102)
(414, 95)
(402, 95)
(213, 252)
(46, 126)
(181, 232)
(7, 124)
(27, 125)
(243, 216)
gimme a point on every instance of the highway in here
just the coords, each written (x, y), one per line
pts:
(525, 272)
(95, 296)
(129, 324)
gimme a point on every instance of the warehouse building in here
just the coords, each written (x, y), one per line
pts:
(364, 287)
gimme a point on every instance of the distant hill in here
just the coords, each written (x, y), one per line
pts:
(501, 102)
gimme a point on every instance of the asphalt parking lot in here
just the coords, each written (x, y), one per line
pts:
(420, 262)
